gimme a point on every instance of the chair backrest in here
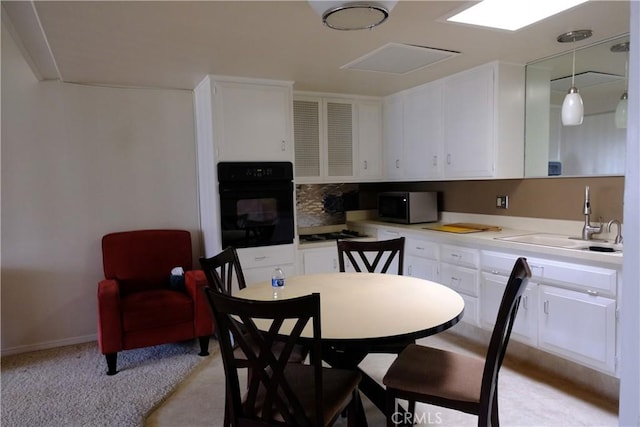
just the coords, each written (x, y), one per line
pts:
(224, 270)
(516, 285)
(371, 254)
(143, 259)
(266, 332)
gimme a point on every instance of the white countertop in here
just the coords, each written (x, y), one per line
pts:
(511, 226)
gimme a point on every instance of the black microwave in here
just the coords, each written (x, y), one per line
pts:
(408, 207)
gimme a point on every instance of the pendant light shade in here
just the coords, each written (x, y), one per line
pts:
(621, 109)
(572, 107)
(621, 112)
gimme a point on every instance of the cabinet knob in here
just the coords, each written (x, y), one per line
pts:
(397, 163)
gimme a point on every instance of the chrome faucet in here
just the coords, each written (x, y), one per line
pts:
(619, 233)
(587, 229)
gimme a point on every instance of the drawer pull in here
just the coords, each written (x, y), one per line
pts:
(283, 146)
(260, 258)
(546, 307)
(592, 293)
(495, 272)
(525, 302)
(456, 256)
(419, 248)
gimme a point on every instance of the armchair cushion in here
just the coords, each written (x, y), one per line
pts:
(155, 309)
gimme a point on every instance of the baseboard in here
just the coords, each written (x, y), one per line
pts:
(48, 344)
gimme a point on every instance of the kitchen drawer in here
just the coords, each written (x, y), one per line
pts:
(266, 256)
(459, 255)
(421, 248)
(586, 277)
(461, 279)
(589, 278)
(498, 262)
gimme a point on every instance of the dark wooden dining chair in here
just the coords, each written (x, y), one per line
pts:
(373, 257)
(279, 393)
(452, 380)
(223, 271)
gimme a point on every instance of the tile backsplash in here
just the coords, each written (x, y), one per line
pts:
(324, 204)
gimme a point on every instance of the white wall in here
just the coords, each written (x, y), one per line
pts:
(630, 303)
(79, 162)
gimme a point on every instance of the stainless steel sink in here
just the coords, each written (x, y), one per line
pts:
(561, 241)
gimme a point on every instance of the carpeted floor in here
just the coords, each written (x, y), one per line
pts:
(68, 386)
(528, 397)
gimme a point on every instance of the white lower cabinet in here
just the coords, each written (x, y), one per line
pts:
(459, 271)
(578, 325)
(258, 263)
(421, 258)
(573, 305)
(525, 327)
(320, 260)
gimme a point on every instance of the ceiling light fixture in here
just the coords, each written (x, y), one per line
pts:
(621, 108)
(511, 15)
(358, 15)
(572, 107)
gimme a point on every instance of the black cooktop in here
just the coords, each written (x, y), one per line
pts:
(344, 234)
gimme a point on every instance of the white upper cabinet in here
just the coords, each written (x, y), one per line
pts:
(423, 132)
(252, 121)
(393, 134)
(466, 126)
(369, 164)
(337, 139)
(413, 133)
(484, 122)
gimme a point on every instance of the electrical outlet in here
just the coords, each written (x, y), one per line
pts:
(502, 202)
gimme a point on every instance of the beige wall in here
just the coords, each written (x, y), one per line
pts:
(553, 198)
(79, 162)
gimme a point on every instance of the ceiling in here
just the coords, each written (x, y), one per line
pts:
(175, 44)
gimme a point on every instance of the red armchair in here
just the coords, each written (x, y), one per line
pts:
(136, 305)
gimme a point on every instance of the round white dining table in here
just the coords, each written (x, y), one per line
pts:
(363, 311)
(370, 307)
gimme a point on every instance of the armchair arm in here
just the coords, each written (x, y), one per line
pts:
(109, 317)
(194, 281)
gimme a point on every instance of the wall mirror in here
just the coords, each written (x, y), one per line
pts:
(597, 146)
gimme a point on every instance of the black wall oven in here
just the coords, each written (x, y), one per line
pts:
(256, 203)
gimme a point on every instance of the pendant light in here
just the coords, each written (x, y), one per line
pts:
(572, 107)
(621, 108)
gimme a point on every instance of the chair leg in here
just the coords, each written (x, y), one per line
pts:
(494, 410)
(112, 361)
(204, 345)
(390, 408)
(353, 412)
